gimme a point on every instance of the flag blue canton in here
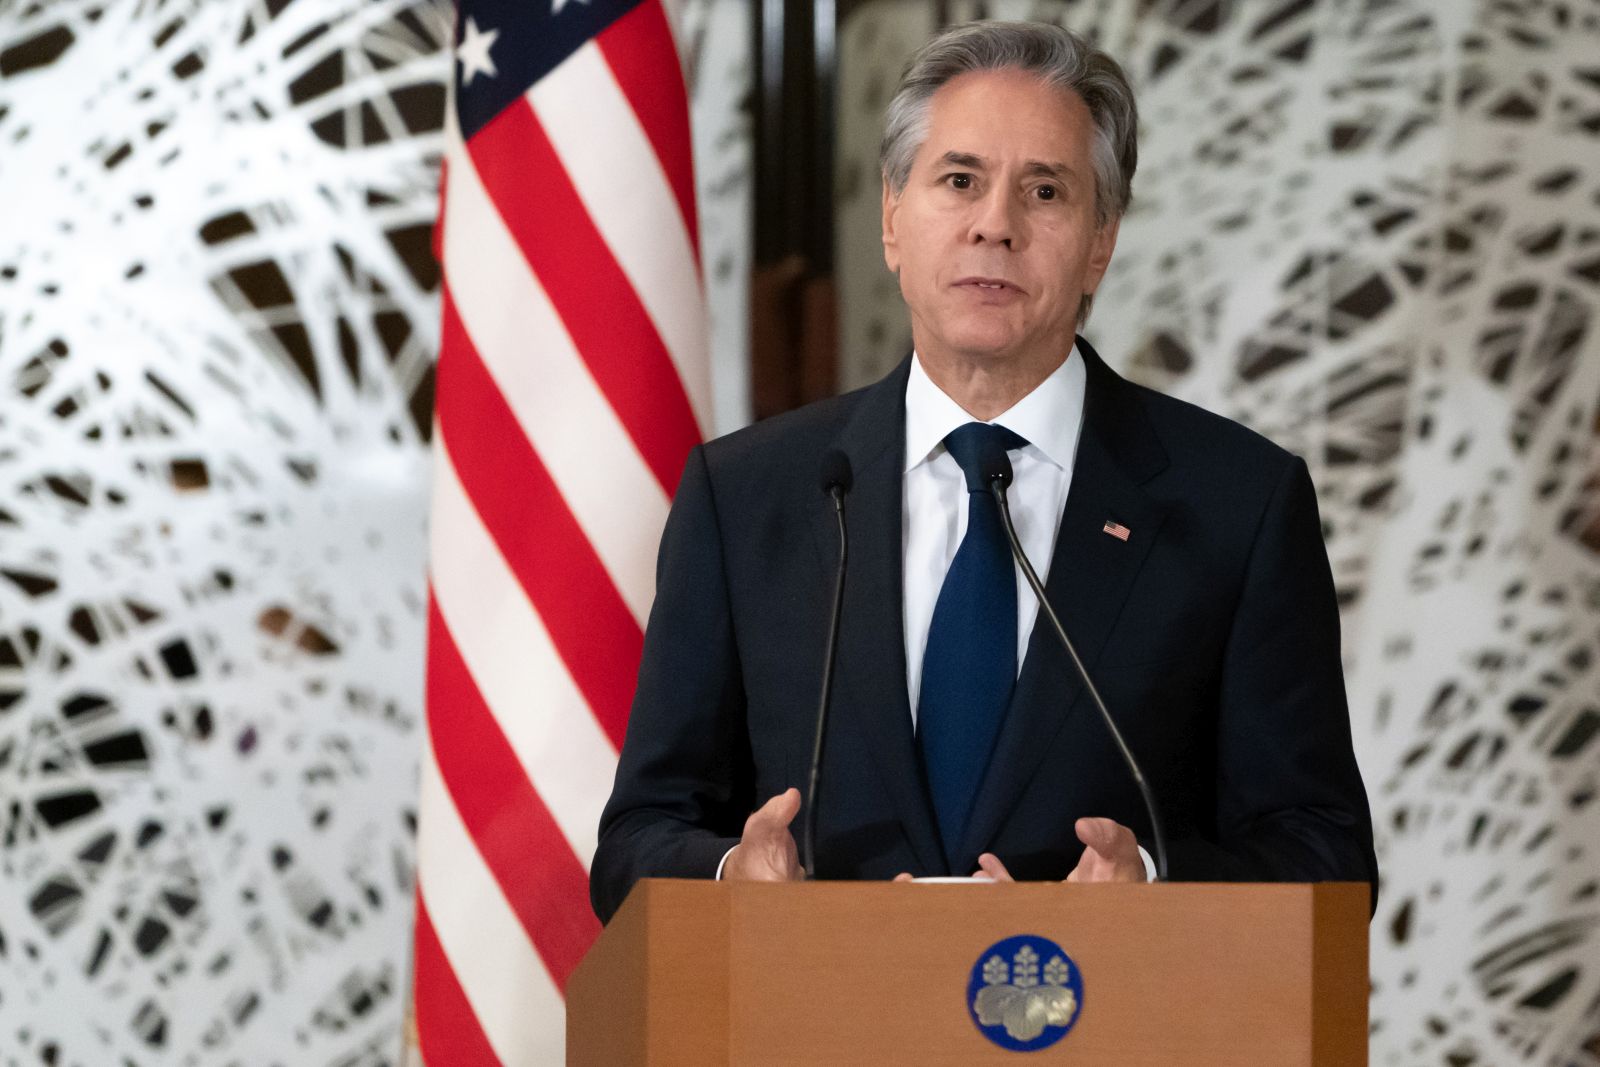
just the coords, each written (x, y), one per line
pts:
(531, 40)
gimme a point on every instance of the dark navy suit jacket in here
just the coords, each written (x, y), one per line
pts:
(1212, 633)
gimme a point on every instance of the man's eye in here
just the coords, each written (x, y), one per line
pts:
(960, 181)
(1047, 192)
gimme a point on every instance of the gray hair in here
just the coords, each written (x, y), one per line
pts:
(1060, 58)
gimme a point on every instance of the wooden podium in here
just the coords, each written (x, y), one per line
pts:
(1199, 975)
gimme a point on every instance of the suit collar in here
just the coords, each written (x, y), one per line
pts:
(878, 424)
(1115, 415)
(1112, 412)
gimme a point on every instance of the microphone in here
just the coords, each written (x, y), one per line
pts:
(996, 468)
(836, 482)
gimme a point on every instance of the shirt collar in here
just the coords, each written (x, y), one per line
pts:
(1049, 418)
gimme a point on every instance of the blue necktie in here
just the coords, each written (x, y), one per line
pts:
(970, 664)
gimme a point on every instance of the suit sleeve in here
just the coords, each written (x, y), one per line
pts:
(1291, 803)
(684, 785)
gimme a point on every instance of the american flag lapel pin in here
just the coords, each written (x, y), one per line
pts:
(1116, 529)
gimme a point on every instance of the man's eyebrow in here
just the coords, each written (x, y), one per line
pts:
(1049, 170)
(962, 159)
(1034, 166)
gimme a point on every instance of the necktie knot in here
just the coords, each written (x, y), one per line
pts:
(969, 445)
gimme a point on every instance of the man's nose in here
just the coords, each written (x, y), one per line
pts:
(998, 218)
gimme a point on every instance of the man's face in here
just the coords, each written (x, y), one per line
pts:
(994, 235)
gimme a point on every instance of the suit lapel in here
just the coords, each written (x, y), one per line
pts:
(871, 670)
(1091, 573)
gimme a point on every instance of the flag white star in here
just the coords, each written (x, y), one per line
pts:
(473, 52)
(559, 4)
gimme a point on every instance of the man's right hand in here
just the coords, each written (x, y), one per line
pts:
(766, 852)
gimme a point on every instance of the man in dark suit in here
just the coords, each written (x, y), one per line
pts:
(1184, 557)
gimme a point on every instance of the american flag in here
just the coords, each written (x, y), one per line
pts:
(572, 381)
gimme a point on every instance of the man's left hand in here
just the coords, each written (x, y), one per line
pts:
(1110, 854)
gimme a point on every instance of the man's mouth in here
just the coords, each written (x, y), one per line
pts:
(991, 284)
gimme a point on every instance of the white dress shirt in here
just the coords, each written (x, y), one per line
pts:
(934, 494)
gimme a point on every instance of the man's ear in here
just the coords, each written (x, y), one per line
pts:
(1105, 242)
(891, 247)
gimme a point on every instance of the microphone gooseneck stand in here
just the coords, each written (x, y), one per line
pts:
(997, 472)
(836, 481)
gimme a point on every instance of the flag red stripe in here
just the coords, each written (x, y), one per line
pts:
(542, 879)
(530, 187)
(643, 57)
(590, 625)
(447, 1029)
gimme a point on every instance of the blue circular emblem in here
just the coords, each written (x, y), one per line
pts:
(1025, 993)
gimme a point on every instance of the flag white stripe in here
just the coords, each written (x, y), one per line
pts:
(513, 661)
(627, 194)
(510, 990)
(605, 481)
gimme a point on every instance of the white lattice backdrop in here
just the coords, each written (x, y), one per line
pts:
(1368, 228)
(216, 329)
(1371, 229)
(218, 315)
